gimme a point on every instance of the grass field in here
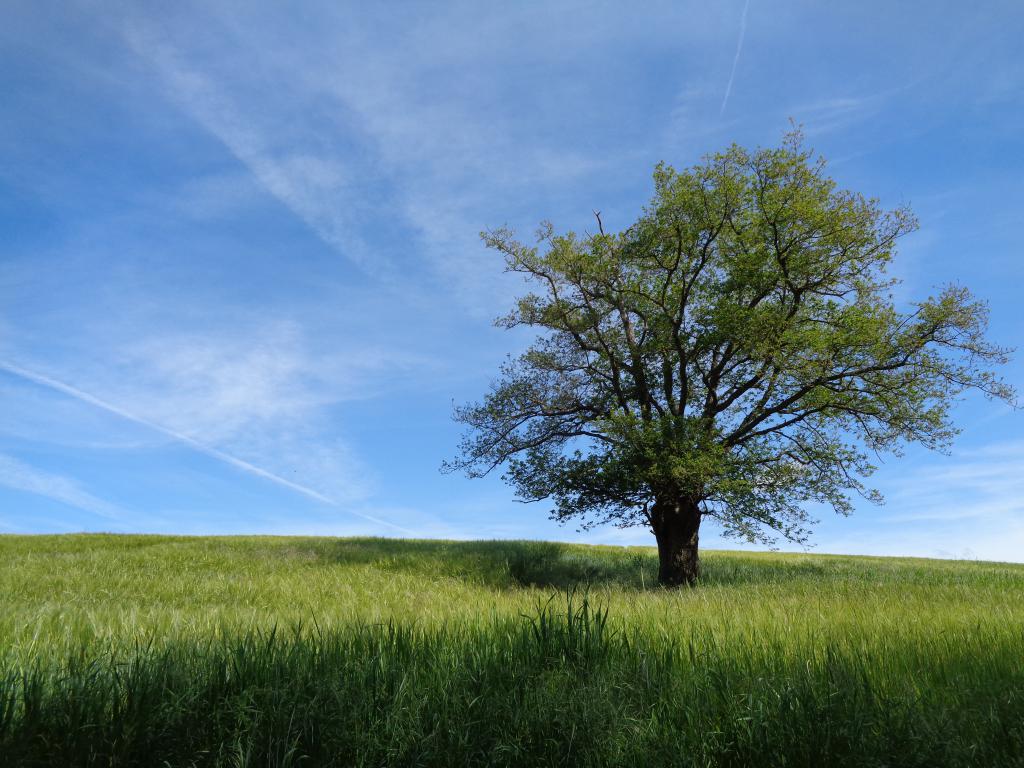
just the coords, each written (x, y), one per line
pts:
(146, 650)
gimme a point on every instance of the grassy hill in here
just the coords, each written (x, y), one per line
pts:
(151, 650)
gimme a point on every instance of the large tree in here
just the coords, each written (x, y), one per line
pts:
(735, 354)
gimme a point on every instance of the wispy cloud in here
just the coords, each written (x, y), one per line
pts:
(350, 118)
(215, 386)
(836, 113)
(85, 397)
(979, 484)
(308, 182)
(23, 477)
(736, 58)
(215, 453)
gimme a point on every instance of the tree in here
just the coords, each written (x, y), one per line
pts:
(735, 354)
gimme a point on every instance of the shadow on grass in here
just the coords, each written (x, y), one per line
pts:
(552, 565)
(499, 564)
(546, 565)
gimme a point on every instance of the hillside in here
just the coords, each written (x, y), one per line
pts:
(260, 651)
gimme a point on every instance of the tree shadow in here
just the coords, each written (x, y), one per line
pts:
(498, 564)
(551, 565)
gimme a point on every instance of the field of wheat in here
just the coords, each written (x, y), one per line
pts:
(256, 651)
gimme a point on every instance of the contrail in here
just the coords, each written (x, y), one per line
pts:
(736, 58)
(227, 458)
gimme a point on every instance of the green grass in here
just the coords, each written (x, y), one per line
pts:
(146, 650)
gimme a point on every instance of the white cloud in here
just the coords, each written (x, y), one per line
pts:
(262, 394)
(254, 397)
(209, 450)
(327, 126)
(837, 113)
(213, 386)
(984, 483)
(309, 184)
(24, 477)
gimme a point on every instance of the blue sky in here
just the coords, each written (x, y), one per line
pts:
(240, 278)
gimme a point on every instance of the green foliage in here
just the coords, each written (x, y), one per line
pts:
(293, 651)
(737, 347)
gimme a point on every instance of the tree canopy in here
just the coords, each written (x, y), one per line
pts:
(735, 354)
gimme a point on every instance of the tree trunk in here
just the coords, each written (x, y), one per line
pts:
(676, 525)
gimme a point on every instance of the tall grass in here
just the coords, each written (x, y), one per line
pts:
(152, 651)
